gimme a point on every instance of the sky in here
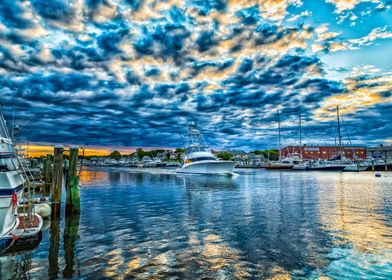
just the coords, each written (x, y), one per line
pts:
(132, 73)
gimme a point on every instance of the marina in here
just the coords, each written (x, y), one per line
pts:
(196, 140)
(255, 225)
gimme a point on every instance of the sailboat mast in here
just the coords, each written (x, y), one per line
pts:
(278, 119)
(300, 135)
(339, 135)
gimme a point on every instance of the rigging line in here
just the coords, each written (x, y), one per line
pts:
(345, 129)
(30, 122)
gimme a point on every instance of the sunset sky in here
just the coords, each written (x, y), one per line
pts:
(133, 73)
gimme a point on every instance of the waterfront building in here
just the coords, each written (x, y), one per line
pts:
(314, 152)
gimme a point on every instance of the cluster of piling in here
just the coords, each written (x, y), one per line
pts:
(58, 171)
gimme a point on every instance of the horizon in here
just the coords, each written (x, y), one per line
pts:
(120, 74)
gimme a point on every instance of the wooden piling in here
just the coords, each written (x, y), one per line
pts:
(73, 195)
(48, 170)
(57, 181)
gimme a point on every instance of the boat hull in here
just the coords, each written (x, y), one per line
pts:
(355, 168)
(208, 167)
(278, 167)
(327, 168)
(300, 168)
(8, 214)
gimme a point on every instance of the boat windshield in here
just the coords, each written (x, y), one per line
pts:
(194, 149)
(199, 159)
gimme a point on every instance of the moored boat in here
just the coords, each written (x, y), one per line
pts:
(15, 224)
(199, 158)
(326, 166)
(11, 182)
(279, 165)
(356, 167)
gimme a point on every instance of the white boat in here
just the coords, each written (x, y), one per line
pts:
(15, 223)
(11, 182)
(199, 158)
(356, 167)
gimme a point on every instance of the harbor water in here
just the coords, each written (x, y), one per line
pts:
(258, 224)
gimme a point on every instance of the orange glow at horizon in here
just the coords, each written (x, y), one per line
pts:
(43, 150)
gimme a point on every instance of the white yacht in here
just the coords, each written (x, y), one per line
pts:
(11, 182)
(199, 158)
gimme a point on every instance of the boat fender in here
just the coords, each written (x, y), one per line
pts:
(14, 202)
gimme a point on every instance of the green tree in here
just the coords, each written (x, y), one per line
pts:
(115, 155)
(179, 150)
(271, 154)
(224, 155)
(140, 153)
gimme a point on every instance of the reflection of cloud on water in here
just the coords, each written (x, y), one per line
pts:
(352, 214)
(206, 255)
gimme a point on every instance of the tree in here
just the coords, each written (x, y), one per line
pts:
(115, 155)
(224, 155)
(179, 150)
(271, 154)
(140, 153)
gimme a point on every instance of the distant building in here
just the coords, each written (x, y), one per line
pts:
(325, 152)
(382, 151)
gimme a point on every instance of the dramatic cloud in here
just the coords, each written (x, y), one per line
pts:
(134, 73)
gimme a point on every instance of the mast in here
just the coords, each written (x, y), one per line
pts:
(300, 135)
(339, 135)
(279, 144)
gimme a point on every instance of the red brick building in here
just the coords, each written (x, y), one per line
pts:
(325, 152)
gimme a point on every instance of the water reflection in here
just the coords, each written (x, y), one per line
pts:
(354, 215)
(258, 225)
(16, 261)
(72, 267)
(208, 182)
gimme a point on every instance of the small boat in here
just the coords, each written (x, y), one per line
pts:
(377, 175)
(172, 164)
(301, 166)
(199, 158)
(279, 165)
(327, 166)
(356, 167)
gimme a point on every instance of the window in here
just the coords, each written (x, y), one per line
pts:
(6, 164)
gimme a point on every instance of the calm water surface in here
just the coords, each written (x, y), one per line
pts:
(257, 225)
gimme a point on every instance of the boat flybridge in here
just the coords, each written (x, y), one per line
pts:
(199, 158)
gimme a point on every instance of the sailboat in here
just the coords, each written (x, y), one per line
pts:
(298, 162)
(199, 158)
(336, 164)
(281, 164)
